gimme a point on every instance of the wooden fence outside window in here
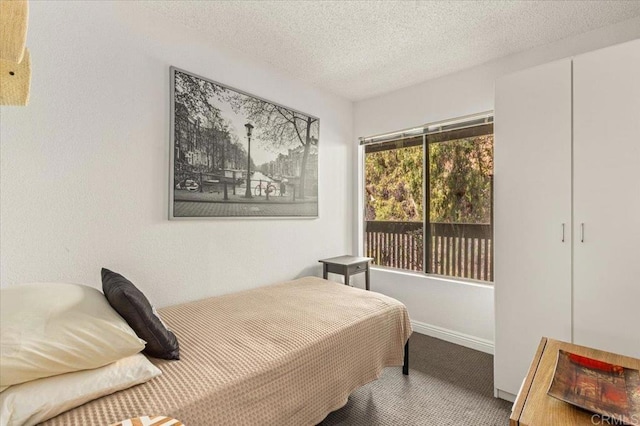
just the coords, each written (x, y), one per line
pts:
(462, 250)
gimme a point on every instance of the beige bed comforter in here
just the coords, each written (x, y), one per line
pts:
(286, 354)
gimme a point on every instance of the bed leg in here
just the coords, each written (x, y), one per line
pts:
(405, 366)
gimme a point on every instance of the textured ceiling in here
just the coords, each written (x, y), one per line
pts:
(360, 49)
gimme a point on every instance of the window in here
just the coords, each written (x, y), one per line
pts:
(433, 185)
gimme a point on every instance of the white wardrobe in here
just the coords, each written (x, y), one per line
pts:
(567, 208)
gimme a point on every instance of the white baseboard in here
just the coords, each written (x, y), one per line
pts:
(504, 395)
(452, 336)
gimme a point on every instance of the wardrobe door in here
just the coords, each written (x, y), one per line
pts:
(606, 289)
(532, 216)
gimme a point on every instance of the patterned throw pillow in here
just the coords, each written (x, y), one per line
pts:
(149, 421)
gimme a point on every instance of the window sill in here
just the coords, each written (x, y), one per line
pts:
(422, 275)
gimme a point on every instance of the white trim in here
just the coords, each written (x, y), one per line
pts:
(429, 128)
(473, 342)
(504, 395)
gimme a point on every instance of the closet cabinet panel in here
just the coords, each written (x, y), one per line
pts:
(532, 216)
(606, 196)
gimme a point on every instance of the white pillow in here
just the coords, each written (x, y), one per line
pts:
(39, 400)
(52, 328)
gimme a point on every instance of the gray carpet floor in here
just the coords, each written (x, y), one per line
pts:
(447, 385)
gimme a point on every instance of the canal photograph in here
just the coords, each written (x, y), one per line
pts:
(237, 155)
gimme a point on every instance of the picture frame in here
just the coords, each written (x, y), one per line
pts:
(237, 155)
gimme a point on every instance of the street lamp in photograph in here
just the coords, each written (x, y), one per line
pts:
(247, 193)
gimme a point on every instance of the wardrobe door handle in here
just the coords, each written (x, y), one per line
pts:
(582, 232)
(563, 232)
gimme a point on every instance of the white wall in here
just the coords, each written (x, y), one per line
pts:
(85, 167)
(456, 311)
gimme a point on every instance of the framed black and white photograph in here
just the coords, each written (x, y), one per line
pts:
(237, 155)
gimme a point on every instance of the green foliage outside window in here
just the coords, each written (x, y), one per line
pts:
(459, 181)
(394, 184)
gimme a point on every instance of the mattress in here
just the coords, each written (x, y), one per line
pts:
(286, 354)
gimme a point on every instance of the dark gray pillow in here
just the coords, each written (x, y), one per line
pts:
(134, 307)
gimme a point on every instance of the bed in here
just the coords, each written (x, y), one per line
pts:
(286, 354)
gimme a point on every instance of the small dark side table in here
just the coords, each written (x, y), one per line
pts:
(347, 266)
